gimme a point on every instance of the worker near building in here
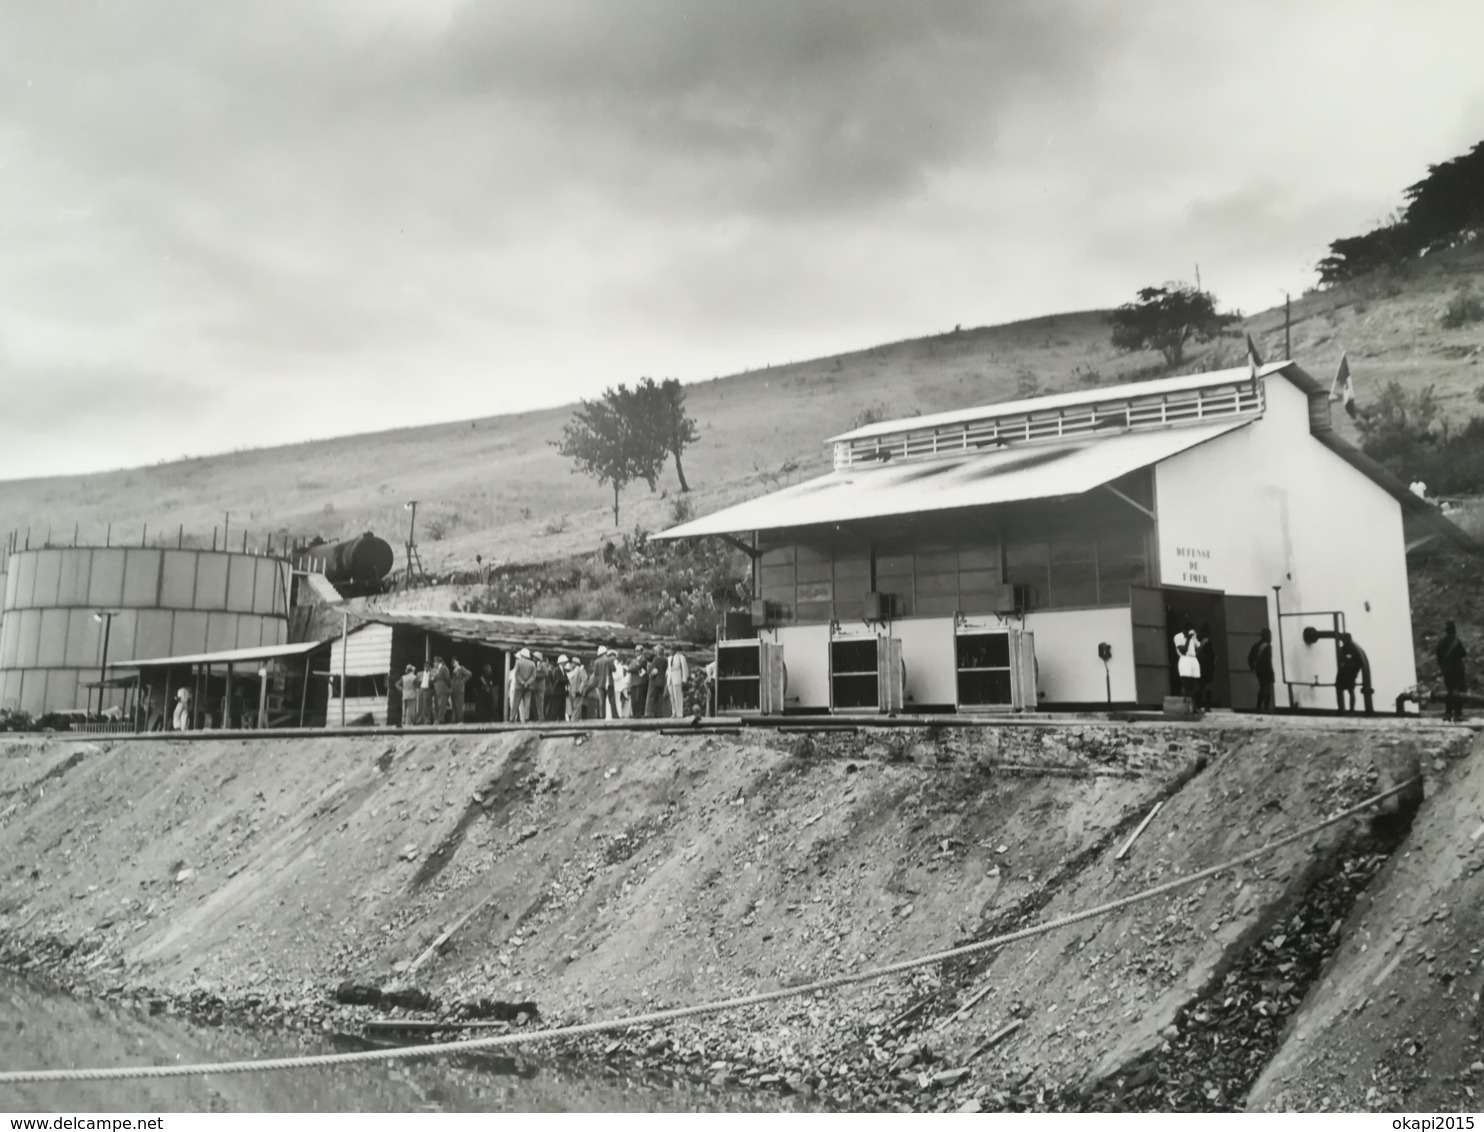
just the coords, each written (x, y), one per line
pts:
(442, 691)
(1260, 662)
(540, 687)
(182, 718)
(1347, 670)
(602, 677)
(659, 667)
(154, 719)
(639, 683)
(1188, 665)
(524, 673)
(711, 686)
(592, 704)
(677, 674)
(425, 696)
(621, 686)
(458, 677)
(576, 688)
(486, 694)
(408, 686)
(1451, 654)
(556, 690)
(1205, 652)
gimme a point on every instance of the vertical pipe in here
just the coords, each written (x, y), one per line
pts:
(144, 536)
(344, 648)
(180, 537)
(74, 534)
(1282, 660)
(263, 695)
(304, 691)
(108, 538)
(213, 538)
(103, 667)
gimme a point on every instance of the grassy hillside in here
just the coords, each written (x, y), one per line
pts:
(495, 487)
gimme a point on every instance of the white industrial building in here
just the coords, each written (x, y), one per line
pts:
(1060, 542)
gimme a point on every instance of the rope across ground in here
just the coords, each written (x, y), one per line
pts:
(530, 1037)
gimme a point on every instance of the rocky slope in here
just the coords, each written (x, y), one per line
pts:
(619, 872)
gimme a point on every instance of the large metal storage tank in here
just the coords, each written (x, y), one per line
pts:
(165, 603)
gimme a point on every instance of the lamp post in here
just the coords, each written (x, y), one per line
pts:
(105, 618)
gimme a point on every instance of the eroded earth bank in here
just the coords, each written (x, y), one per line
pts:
(307, 882)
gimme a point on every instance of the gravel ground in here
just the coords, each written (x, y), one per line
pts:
(595, 876)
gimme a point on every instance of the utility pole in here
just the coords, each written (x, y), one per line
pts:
(226, 526)
(1287, 325)
(414, 561)
(1197, 277)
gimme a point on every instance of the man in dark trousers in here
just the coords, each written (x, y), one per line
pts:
(1346, 673)
(639, 684)
(1206, 653)
(1450, 663)
(659, 661)
(1260, 661)
(601, 673)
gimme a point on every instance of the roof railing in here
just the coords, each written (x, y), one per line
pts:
(1157, 410)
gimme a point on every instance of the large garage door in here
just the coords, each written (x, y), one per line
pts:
(1246, 618)
(1151, 651)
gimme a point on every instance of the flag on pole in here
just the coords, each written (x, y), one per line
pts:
(1343, 387)
(1254, 359)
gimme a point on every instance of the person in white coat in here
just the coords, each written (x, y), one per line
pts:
(1188, 664)
(677, 676)
(182, 717)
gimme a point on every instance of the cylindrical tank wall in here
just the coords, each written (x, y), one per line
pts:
(165, 603)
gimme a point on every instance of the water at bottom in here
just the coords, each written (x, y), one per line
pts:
(43, 1029)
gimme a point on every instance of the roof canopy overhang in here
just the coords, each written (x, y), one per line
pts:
(1011, 475)
(509, 633)
(226, 657)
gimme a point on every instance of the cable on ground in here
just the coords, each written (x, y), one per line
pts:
(315, 1061)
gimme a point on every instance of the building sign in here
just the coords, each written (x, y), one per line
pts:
(1195, 565)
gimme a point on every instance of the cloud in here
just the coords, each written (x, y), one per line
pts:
(504, 205)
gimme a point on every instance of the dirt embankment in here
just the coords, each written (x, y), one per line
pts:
(622, 871)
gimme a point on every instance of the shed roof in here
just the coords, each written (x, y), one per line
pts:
(228, 656)
(508, 632)
(1043, 471)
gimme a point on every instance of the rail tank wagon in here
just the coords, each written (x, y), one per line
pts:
(164, 602)
(359, 564)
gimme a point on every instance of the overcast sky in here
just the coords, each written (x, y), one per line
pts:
(239, 222)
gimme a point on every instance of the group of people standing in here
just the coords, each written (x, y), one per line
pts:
(435, 694)
(651, 684)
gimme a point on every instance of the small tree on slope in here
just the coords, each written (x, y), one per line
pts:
(661, 408)
(602, 440)
(1166, 318)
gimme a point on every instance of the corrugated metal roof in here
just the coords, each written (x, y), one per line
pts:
(1093, 396)
(521, 632)
(229, 656)
(1041, 472)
